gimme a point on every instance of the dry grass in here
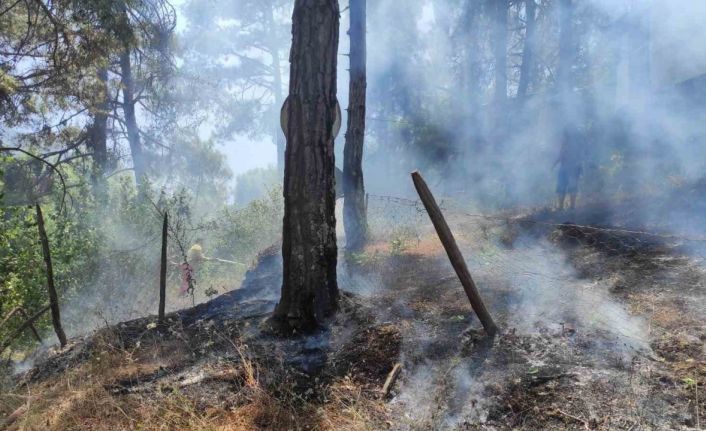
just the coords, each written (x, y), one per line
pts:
(264, 399)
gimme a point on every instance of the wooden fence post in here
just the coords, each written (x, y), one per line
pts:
(53, 297)
(163, 270)
(455, 256)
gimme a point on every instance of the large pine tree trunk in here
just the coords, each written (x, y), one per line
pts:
(527, 67)
(309, 252)
(354, 211)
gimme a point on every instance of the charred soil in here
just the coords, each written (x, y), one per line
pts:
(617, 343)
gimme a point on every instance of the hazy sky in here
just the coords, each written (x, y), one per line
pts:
(674, 27)
(242, 153)
(678, 29)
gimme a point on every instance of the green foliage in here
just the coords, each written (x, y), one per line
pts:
(689, 382)
(240, 67)
(401, 239)
(255, 184)
(248, 230)
(105, 249)
(364, 258)
(74, 246)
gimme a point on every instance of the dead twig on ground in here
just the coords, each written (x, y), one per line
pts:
(391, 378)
(696, 396)
(14, 416)
(558, 412)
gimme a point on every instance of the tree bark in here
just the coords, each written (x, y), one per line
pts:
(500, 55)
(99, 129)
(354, 211)
(309, 252)
(528, 65)
(128, 87)
(567, 51)
(500, 114)
(472, 87)
(53, 297)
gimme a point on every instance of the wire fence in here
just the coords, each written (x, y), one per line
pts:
(538, 272)
(533, 270)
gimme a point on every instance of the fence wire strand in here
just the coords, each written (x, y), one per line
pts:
(502, 253)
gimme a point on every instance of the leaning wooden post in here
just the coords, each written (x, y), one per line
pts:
(163, 270)
(53, 297)
(455, 256)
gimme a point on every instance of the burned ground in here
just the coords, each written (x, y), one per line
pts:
(602, 329)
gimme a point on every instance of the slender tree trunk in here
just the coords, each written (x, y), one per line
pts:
(567, 51)
(354, 211)
(128, 86)
(99, 130)
(53, 297)
(474, 41)
(163, 270)
(469, 97)
(280, 141)
(527, 68)
(277, 91)
(500, 55)
(309, 252)
(500, 114)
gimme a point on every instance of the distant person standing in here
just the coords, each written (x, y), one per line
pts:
(570, 162)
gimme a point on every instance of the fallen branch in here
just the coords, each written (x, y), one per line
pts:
(558, 412)
(223, 375)
(135, 384)
(391, 378)
(14, 416)
(540, 380)
(143, 384)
